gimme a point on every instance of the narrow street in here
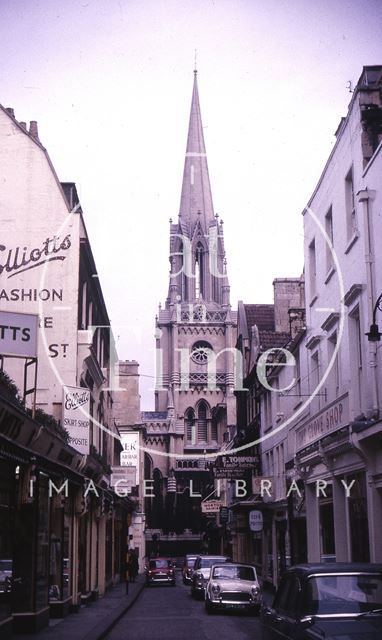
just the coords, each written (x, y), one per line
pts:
(167, 613)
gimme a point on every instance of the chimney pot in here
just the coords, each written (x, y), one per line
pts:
(11, 111)
(23, 125)
(33, 130)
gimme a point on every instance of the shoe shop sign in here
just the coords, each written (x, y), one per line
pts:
(75, 417)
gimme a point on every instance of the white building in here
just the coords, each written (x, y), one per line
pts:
(47, 269)
(331, 441)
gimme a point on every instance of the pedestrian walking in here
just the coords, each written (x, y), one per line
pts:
(127, 571)
(133, 565)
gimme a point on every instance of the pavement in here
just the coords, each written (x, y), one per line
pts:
(94, 621)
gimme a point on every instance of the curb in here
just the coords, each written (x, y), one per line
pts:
(103, 628)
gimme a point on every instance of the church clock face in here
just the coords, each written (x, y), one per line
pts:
(201, 352)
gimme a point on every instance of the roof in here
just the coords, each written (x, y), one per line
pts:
(273, 339)
(261, 315)
(196, 198)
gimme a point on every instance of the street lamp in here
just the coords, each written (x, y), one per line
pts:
(374, 335)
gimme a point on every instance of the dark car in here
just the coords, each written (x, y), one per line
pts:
(201, 573)
(160, 571)
(326, 601)
(188, 568)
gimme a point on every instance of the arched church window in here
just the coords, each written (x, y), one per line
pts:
(202, 422)
(214, 431)
(201, 352)
(190, 419)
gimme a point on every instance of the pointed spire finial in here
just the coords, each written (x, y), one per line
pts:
(195, 65)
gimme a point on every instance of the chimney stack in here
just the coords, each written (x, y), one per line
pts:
(11, 111)
(33, 130)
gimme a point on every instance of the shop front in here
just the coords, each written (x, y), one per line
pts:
(341, 498)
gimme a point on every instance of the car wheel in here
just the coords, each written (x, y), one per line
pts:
(209, 606)
(255, 611)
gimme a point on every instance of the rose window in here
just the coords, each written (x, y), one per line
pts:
(201, 352)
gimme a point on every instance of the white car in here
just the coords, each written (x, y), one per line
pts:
(201, 573)
(233, 586)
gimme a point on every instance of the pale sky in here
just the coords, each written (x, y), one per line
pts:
(110, 84)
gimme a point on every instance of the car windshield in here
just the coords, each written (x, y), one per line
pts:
(5, 565)
(191, 562)
(234, 573)
(206, 563)
(357, 593)
(159, 564)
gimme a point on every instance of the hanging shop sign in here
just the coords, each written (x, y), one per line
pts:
(224, 515)
(231, 462)
(130, 454)
(255, 520)
(75, 417)
(123, 478)
(211, 506)
(230, 474)
(18, 334)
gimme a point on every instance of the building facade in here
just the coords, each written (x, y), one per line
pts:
(60, 544)
(196, 361)
(320, 416)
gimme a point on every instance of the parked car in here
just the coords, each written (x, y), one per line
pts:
(5, 575)
(188, 568)
(160, 571)
(201, 573)
(326, 601)
(233, 586)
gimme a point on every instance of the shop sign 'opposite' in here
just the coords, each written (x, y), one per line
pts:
(75, 417)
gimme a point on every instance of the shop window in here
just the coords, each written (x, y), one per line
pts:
(56, 548)
(358, 521)
(66, 560)
(42, 547)
(328, 551)
(7, 506)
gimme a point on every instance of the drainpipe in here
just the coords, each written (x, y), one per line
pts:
(363, 196)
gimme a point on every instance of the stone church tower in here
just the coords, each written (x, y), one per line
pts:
(195, 340)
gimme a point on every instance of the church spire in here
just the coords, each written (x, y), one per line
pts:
(196, 199)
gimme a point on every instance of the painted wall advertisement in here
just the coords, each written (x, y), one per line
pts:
(130, 453)
(75, 417)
